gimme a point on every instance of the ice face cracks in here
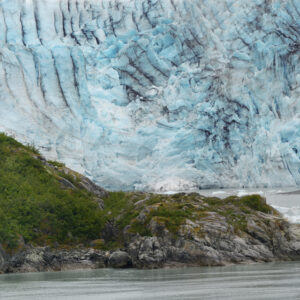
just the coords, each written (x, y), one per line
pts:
(156, 94)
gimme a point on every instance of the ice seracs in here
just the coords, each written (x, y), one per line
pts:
(154, 94)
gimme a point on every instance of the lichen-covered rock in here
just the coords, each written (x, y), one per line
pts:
(210, 231)
(218, 247)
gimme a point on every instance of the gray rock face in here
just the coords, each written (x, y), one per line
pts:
(147, 251)
(218, 244)
(92, 187)
(82, 181)
(66, 184)
(119, 259)
(41, 259)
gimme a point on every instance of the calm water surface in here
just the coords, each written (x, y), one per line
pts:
(257, 281)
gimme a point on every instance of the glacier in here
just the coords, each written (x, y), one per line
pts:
(156, 94)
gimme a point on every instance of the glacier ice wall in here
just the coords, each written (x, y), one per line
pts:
(156, 94)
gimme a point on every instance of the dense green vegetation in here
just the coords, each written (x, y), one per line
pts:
(37, 208)
(33, 205)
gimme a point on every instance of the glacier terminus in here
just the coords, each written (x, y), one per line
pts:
(156, 94)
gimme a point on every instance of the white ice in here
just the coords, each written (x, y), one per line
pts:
(156, 94)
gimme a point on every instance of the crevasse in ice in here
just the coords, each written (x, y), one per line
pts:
(156, 94)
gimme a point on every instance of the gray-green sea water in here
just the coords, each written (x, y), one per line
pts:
(257, 281)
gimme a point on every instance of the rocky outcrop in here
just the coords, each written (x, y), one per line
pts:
(219, 245)
(41, 259)
(268, 238)
(70, 179)
(172, 230)
(193, 230)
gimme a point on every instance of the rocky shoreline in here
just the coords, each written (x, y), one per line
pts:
(266, 238)
(52, 219)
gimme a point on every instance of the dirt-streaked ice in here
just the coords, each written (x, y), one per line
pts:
(157, 94)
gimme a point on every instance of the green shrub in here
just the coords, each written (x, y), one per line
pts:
(256, 202)
(33, 204)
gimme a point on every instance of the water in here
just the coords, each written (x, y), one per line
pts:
(257, 281)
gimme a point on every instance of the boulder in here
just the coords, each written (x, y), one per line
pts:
(119, 259)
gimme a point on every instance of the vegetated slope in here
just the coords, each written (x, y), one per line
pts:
(156, 94)
(36, 204)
